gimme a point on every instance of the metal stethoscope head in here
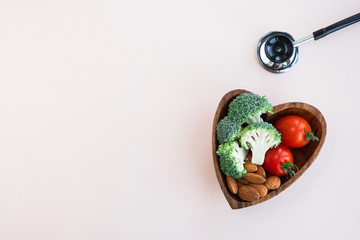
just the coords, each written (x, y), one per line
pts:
(278, 51)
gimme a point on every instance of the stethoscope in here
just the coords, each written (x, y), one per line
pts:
(278, 51)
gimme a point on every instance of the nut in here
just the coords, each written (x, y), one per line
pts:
(242, 181)
(273, 182)
(249, 156)
(254, 178)
(261, 171)
(249, 167)
(248, 193)
(260, 188)
(232, 184)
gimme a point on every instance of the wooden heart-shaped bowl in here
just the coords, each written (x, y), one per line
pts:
(303, 157)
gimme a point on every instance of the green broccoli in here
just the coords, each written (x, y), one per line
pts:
(227, 130)
(248, 107)
(232, 158)
(259, 137)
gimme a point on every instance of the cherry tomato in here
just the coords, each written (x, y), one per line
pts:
(279, 161)
(295, 131)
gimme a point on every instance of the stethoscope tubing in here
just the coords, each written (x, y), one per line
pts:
(336, 26)
(329, 29)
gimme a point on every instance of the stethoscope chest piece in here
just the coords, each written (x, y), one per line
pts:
(276, 52)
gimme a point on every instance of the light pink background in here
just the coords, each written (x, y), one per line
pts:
(106, 111)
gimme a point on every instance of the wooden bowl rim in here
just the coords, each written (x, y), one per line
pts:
(235, 203)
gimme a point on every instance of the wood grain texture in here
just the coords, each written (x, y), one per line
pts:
(303, 157)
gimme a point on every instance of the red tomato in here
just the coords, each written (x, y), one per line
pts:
(295, 131)
(275, 159)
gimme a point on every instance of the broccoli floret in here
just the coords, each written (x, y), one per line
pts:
(232, 158)
(248, 107)
(228, 130)
(259, 137)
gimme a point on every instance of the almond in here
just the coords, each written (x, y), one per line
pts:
(260, 188)
(254, 178)
(249, 167)
(248, 193)
(249, 156)
(260, 171)
(273, 182)
(242, 181)
(232, 184)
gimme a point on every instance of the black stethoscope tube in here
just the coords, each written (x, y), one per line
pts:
(336, 26)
